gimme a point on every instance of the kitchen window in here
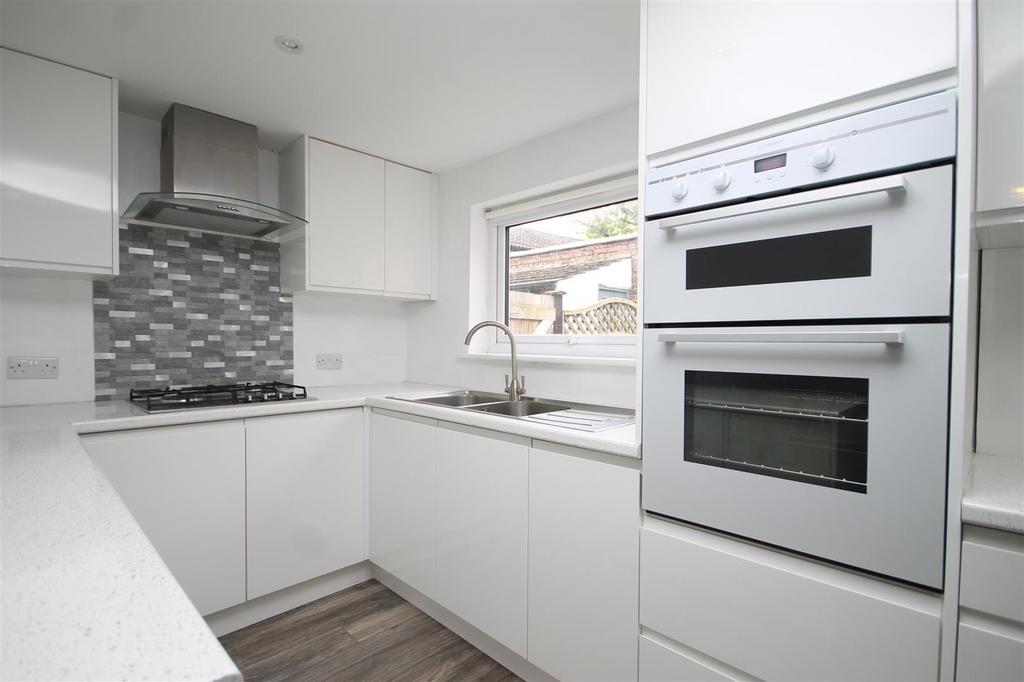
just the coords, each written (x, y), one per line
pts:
(567, 268)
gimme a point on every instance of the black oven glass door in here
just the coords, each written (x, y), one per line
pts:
(832, 254)
(803, 428)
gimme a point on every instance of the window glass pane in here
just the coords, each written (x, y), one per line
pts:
(574, 274)
(803, 428)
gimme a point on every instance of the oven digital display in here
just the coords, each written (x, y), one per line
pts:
(770, 163)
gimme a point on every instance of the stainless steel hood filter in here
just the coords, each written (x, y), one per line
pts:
(208, 179)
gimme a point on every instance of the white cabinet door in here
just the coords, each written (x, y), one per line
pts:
(780, 617)
(584, 567)
(990, 652)
(346, 218)
(402, 497)
(715, 68)
(1000, 180)
(305, 497)
(57, 166)
(659, 663)
(408, 252)
(481, 521)
(185, 485)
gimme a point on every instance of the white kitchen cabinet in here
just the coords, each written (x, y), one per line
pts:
(402, 497)
(408, 238)
(715, 69)
(481, 524)
(990, 645)
(370, 223)
(305, 497)
(1000, 163)
(661, 663)
(58, 167)
(989, 651)
(185, 485)
(584, 540)
(778, 616)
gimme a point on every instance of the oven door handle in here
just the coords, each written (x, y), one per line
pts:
(891, 184)
(892, 338)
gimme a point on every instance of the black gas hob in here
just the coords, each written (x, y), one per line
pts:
(187, 397)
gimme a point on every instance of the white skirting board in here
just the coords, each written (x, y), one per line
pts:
(268, 606)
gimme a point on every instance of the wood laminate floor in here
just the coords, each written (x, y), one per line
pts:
(366, 632)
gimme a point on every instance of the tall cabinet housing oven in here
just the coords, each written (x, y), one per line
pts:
(796, 339)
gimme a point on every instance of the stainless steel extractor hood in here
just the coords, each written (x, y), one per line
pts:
(208, 180)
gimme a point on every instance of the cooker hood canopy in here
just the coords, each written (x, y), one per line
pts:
(208, 180)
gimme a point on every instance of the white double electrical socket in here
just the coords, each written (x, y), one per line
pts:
(328, 360)
(31, 368)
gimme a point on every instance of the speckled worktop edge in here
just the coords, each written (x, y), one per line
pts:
(85, 596)
(994, 495)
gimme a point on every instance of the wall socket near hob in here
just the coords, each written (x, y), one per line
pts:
(32, 368)
(328, 360)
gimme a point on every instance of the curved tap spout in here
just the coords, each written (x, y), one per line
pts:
(517, 386)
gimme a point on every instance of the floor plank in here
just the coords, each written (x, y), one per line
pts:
(366, 632)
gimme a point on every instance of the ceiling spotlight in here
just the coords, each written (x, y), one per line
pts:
(289, 44)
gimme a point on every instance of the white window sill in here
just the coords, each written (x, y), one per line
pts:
(526, 359)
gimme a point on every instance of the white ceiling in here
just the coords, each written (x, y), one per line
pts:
(431, 84)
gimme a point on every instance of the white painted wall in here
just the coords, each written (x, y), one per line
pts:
(41, 316)
(370, 333)
(138, 157)
(1001, 353)
(436, 330)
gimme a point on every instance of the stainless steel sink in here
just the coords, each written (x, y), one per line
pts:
(519, 408)
(459, 398)
(575, 416)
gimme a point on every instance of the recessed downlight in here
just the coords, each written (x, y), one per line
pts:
(290, 44)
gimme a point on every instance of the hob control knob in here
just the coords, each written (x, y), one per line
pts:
(822, 157)
(721, 180)
(679, 190)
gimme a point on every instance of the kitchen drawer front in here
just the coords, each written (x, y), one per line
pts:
(989, 653)
(660, 663)
(992, 572)
(777, 616)
(866, 254)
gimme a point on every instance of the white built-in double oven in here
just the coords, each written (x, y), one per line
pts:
(797, 297)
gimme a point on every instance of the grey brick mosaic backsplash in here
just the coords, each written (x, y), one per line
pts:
(191, 308)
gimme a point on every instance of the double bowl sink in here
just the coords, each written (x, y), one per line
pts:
(574, 416)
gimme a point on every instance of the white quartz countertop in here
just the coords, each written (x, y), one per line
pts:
(83, 593)
(994, 496)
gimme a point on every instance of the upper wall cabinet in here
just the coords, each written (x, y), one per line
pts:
(714, 69)
(370, 225)
(58, 167)
(1000, 169)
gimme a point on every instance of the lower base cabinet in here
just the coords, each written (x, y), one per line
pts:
(990, 651)
(242, 508)
(185, 485)
(990, 645)
(305, 497)
(774, 616)
(481, 526)
(661, 663)
(402, 497)
(584, 540)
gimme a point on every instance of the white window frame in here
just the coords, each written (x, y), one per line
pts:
(568, 346)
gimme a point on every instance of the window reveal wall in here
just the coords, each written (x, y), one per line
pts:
(191, 308)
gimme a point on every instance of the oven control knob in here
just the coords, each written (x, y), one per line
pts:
(822, 157)
(721, 180)
(679, 190)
